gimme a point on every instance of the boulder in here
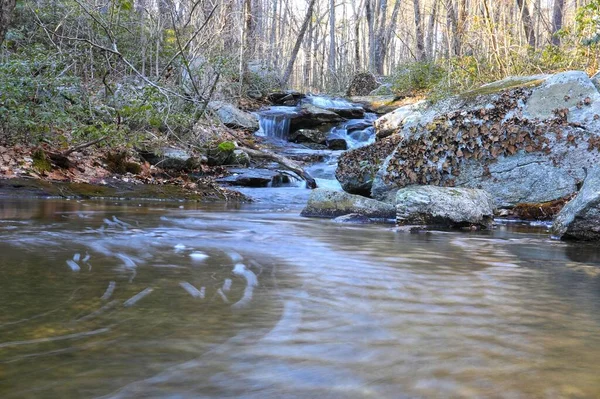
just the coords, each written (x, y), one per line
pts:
(382, 104)
(288, 97)
(357, 168)
(234, 117)
(521, 140)
(580, 218)
(331, 204)
(444, 207)
(310, 116)
(240, 157)
(337, 143)
(170, 158)
(308, 136)
(255, 178)
(395, 121)
(362, 84)
(340, 106)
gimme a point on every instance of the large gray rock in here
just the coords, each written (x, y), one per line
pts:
(331, 204)
(580, 218)
(310, 116)
(521, 140)
(234, 117)
(397, 120)
(444, 206)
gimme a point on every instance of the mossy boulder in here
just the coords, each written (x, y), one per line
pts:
(325, 203)
(530, 142)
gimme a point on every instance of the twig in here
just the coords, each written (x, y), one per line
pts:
(82, 146)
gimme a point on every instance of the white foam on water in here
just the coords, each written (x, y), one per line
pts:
(193, 291)
(74, 266)
(198, 256)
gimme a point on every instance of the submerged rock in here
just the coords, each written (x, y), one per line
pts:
(521, 140)
(444, 206)
(330, 204)
(580, 218)
(234, 117)
(337, 143)
(352, 218)
(308, 136)
(255, 178)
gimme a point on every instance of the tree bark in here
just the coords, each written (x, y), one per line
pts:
(290, 65)
(527, 22)
(557, 20)
(331, 62)
(6, 11)
(419, 39)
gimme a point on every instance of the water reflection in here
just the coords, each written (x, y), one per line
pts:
(217, 302)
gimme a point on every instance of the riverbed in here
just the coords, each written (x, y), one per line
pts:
(130, 299)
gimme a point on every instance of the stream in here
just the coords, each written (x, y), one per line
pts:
(133, 299)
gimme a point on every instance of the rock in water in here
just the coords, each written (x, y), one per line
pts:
(331, 204)
(234, 117)
(444, 207)
(580, 218)
(521, 140)
(308, 136)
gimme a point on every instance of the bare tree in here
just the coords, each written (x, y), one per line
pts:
(419, 38)
(527, 22)
(290, 65)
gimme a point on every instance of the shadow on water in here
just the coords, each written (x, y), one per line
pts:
(153, 300)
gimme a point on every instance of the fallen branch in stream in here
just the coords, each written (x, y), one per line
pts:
(283, 161)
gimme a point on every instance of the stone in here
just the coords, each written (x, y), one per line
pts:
(331, 204)
(395, 121)
(234, 117)
(523, 140)
(254, 178)
(171, 158)
(288, 97)
(310, 116)
(337, 143)
(308, 136)
(444, 207)
(357, 168)
(362, 84)
(352, 218)
(240, 157)
(580, 218)
(382, 104)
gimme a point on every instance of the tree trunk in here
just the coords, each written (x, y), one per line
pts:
(557, 20)
(453, 30)
(527, 22)
(290, 65)
(431, 30)
(371, 27)
(419, 39)
(331, 63)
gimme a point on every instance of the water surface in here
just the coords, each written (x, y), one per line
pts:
(252, 301)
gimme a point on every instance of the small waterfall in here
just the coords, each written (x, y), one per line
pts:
(275, 122)
(329, 103)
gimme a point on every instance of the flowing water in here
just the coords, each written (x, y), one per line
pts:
(155, 300)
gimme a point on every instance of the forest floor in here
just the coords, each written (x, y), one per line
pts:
(92, 172)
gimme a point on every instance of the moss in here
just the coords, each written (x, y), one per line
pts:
(500, 86)
(226, 146)
(40, 161)
(133, 168)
